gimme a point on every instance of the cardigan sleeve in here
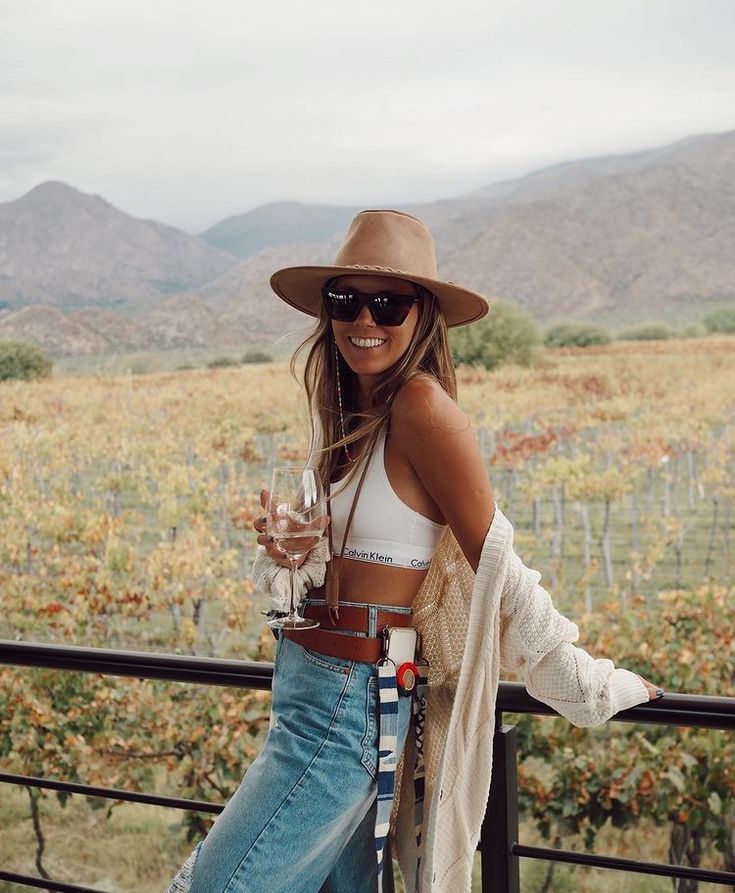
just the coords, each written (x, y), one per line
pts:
(536, 641)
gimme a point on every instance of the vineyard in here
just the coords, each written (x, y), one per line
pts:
(126, 506)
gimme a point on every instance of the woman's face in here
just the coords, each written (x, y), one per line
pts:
(387, 343)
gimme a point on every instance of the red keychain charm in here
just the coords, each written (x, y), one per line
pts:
(406, 676)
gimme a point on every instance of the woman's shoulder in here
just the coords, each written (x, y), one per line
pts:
(420, 390)
(422, 405)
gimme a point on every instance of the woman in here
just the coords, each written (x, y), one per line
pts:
(427, 547)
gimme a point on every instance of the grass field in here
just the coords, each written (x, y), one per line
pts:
(131, 478)
(116, 488)
(140, 849)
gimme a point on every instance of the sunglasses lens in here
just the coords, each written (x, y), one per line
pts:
(341, 305)
(390, 309)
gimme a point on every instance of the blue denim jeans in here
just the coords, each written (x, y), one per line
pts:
(302, 819)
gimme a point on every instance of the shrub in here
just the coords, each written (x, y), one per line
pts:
(653, 332)
(18, 359)
(257, 356)
(722, 320)
(140, 367)
(506, 335)
(694, 330)
(221, 362)
(574, 334)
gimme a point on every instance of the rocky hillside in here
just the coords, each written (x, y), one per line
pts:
(277, 223)
(646, 239)
(63, 248)
(646, 235)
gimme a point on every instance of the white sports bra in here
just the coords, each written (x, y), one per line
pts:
(384, 530)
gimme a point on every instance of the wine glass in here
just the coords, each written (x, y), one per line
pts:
(296, 516)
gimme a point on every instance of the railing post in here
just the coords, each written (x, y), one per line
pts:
(499, 866)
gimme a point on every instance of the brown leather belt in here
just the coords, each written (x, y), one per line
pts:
(362, 648)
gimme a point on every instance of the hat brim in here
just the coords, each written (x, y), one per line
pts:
(301, 288)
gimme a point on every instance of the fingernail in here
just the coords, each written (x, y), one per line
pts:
(659, 692)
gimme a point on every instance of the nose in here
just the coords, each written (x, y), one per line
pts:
(364, 317)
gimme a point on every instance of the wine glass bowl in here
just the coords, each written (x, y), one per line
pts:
(296, 517)
(293, 532)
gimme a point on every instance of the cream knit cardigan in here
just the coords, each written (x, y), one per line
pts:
(474, 626)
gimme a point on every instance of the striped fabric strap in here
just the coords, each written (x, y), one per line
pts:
(387, 748)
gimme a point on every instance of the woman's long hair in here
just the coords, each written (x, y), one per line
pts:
(427, 352)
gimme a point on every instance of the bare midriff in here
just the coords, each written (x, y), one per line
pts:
(361, 581)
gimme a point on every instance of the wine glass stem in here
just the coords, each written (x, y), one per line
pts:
(293, 586)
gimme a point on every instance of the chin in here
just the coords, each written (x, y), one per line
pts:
(369, 368)
(358, 359)
(377, 363)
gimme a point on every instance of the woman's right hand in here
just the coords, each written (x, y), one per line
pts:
(263, 539)
(267, 541)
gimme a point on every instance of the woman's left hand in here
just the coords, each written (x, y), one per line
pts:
(652, 689)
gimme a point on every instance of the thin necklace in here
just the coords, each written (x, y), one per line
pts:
(339, 402)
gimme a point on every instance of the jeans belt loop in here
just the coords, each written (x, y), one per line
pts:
(372, 629)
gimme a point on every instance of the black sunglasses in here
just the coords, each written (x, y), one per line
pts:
(386, 307)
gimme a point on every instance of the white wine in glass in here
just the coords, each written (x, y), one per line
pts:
(296, 516)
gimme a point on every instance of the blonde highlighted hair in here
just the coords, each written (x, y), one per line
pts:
(428, 352)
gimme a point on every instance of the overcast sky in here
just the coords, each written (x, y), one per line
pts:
(190, 111)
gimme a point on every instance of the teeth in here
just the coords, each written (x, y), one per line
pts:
(367, 342)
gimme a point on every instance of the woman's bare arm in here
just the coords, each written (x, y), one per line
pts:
(437, 438)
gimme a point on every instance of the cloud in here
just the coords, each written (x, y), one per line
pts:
(187, 113)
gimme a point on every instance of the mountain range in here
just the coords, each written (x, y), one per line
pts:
(645, 235)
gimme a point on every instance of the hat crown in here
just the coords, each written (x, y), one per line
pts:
(388, 241)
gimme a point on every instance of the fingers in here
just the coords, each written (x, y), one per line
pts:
(270, 546)
(276, 554)
(654, 692)
(260, 525)
(272, 550)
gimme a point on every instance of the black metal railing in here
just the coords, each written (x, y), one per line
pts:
(499, 845)
(499, 835)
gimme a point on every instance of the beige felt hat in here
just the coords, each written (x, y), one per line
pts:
(384, 241)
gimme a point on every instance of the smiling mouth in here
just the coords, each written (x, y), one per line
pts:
(366, 343)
